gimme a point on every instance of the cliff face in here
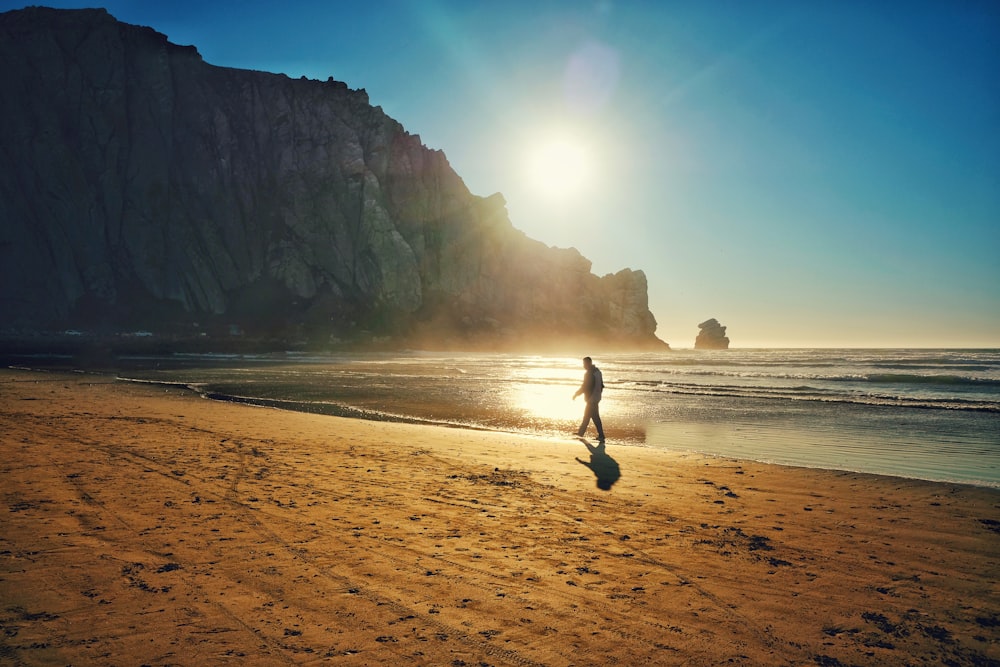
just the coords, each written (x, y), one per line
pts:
(145, 188)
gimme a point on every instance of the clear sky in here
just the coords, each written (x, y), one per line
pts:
(808, 173)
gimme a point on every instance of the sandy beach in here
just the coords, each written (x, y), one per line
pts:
(144, 525)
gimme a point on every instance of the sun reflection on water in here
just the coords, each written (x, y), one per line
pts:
(546, 392)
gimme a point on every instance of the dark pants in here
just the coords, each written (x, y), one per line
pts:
(592, 411)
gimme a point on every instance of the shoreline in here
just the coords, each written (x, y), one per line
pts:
(146, 524)
(333, 409)
(348, 412)
(351, 412)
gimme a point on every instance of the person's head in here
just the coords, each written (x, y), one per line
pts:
(587, 362)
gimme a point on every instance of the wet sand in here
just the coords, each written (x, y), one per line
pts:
(145, 525)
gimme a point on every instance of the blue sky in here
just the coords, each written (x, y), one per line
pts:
(810, 174)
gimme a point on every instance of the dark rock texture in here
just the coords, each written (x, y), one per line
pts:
(144, 188)
(712, 336)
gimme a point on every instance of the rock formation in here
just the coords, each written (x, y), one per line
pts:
(145, 188)
(712, 336)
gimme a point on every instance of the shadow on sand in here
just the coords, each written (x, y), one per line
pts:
(603, 466)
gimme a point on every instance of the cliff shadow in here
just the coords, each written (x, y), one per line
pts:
(605, 468)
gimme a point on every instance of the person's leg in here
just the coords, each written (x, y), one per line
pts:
(595, 414)
(586, 421)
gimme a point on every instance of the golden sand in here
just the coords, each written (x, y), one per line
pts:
(144, 525)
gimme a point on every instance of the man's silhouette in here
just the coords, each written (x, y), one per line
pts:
(593, 385)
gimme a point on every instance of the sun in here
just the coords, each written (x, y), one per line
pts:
(559, 165)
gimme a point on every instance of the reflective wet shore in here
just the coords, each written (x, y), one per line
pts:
(816, 411)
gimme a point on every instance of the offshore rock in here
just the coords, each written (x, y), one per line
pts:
(146, 189)
(712, 336)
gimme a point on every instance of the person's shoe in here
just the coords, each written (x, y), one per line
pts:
(580, 434)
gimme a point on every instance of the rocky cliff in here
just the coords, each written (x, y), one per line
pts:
(711, 336)
(144, 188)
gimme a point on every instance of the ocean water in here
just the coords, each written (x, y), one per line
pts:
(925, 414)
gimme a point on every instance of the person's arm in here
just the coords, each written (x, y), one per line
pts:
(588, 384)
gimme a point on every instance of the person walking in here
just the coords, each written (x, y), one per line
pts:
(592, 387)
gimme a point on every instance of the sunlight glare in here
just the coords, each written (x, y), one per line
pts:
(547, 393)
(559, 166)
(549, 402)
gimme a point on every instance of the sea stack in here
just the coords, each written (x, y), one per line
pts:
(712, 336)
